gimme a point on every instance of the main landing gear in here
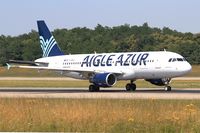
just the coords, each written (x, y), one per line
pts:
(93, 88)
(131, 86)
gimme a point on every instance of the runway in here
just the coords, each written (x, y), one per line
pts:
(105, 93)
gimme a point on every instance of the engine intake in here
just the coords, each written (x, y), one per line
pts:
(103, 79)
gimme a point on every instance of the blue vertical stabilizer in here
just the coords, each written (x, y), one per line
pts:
(48, 43)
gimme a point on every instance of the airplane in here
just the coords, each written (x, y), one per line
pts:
(105, 69)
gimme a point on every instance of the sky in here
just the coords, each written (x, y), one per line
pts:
(20, 16)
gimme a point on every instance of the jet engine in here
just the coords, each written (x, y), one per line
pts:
(159, 82)
(103, 79)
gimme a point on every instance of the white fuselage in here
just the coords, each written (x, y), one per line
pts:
(127, 66)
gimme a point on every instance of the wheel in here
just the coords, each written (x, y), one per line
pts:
(93, 88)
(133, 87)
(168, 88)
(96, 88)
(130, 87)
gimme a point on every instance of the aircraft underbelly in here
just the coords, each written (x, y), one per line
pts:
(154, 73)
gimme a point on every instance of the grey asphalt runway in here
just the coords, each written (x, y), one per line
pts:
(108, 93)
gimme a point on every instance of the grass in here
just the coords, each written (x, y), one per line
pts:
(195, 71)
(85, 83)
(16, 72)
(98, 115)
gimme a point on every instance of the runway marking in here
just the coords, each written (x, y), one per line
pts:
(111, 93)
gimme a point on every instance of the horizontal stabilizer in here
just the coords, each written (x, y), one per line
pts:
(23, 62)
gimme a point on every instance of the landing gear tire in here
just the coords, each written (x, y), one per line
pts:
(168, 88)
(130, 87)
(93, 88)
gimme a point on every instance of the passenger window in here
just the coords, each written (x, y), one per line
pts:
(170, 60)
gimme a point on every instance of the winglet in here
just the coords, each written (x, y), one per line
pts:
(8, 66)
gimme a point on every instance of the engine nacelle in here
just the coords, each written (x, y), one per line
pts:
(103, 79)
(159, 82)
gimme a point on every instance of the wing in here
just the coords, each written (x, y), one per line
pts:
(85, 72)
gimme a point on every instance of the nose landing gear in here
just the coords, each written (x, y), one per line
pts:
(167, 87)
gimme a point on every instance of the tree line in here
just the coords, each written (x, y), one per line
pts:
(101, 39)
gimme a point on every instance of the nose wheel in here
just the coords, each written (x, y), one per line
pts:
(168, 88)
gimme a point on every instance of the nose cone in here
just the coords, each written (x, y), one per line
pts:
(186, 68)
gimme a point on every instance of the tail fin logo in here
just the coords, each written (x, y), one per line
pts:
(47, 45)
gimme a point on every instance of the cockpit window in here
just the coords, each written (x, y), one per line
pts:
(176, 59)
(179, 59)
